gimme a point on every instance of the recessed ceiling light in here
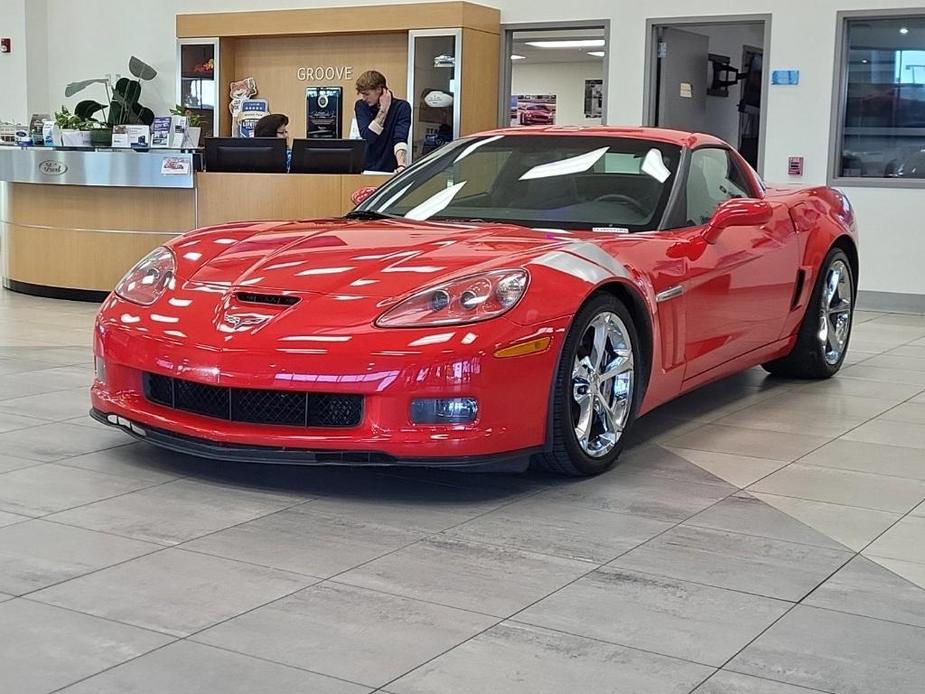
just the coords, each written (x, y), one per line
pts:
(904, 30)
(518, 57)
(865, 61)
(579, 43)
(597, 54)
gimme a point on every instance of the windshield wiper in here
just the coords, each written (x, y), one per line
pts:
(369, 214)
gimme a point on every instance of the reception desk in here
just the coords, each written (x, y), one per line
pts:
(73, 222)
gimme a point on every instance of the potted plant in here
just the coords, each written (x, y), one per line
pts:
(100, 133)
(122, 106)
(194, 125)
(72, 129)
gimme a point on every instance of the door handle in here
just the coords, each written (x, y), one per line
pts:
(670, 293)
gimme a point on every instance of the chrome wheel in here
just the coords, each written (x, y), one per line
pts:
(835, 312)
(602, 384)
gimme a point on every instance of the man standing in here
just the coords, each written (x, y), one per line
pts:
(384, 122)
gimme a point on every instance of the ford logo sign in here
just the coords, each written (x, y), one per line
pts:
(52, 168)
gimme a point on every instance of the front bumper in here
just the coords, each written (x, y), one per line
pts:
(202, 448)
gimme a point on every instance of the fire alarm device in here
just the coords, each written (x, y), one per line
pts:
(795, 166)
(5, 46)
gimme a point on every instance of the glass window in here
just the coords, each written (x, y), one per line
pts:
(882, 126)
(714, 178)
(550, 181)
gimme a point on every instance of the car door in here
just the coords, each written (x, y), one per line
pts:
(739, 288)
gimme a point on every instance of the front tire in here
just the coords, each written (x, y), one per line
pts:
(597, 390)
(822, 341)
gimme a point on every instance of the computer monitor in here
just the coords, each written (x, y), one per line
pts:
(328, 156)
(246, 154)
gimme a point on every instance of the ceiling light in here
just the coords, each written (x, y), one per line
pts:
(518, 57)
(597, 54)
(580, 43)
(904, 30)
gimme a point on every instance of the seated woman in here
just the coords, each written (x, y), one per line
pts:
(272, 125)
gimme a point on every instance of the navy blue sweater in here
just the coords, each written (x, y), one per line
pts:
(380, 148)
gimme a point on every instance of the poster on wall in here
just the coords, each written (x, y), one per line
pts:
(594, 98)
(533, 109)
(323, 110)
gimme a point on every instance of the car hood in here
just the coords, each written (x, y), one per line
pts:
(373, 259)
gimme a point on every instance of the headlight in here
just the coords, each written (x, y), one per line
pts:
(465, 300)
(145, 282)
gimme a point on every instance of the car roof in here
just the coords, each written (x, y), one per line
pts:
(674, 137)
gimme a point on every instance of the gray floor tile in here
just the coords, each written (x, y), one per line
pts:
(881, 374)
(837, 652)
(13, 422)
(55, 407)
(468, 575)
(176, 511)
(37, 554)
(136, 460)
(875, 458)
(10, 518)
(318, 544)
(864, 490)
(855, 387)
(4, 597)
(173, 591)
(564, 530)
(865, 588)
(743, 513)
(663, 462)
(640, 494)
(758, 565)
(43, 648)
(663, 615)
(51, 442)
(521, 659)
(733, 683)
(905, 541)
(773, 445)
(804, 413)
(912, 412)
(355, 634)
(185, 667)
(9, 463)
(42, 489)
(737, 470)
(892, 433)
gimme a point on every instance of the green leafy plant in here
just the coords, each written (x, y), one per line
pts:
(66, 120)
(195, 120)
(122, 107)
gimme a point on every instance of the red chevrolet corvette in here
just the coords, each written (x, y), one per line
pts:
(519, 294)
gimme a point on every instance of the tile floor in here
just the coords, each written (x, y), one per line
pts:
(761, 536)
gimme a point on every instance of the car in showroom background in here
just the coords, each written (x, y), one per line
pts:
(522, 294)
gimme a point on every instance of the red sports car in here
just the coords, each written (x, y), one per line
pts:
(516, 294)
(536, 114)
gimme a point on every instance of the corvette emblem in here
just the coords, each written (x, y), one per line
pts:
(242, 320)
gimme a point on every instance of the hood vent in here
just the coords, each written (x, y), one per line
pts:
(267, 299)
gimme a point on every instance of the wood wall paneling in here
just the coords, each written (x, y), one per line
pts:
(274, 64)
(481, 55)
(340, 20)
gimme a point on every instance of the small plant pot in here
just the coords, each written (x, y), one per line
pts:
(193, 133)
(101, 137)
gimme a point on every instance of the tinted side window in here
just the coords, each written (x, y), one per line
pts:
(714, 178)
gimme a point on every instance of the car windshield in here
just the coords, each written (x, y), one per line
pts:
(552, 181)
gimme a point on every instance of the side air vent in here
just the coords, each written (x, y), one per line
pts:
(270, 299)
(798, 289)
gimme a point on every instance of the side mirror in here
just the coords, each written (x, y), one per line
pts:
(361, 194)
(739, 212)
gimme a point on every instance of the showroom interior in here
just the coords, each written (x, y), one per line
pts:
(238, 453)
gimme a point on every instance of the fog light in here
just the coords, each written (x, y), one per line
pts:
(444, 411)
(99, 367)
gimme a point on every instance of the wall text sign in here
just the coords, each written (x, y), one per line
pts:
(325, 73)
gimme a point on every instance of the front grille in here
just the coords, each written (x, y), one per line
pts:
(280, 407)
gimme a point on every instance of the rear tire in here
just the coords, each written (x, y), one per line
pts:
(822, 341)
(598, 387)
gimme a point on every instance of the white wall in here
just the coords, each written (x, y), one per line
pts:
(565, 80)
(13, 101)
(92, 37)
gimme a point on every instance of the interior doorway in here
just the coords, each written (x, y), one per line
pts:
(708, 75)
(554, 74)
